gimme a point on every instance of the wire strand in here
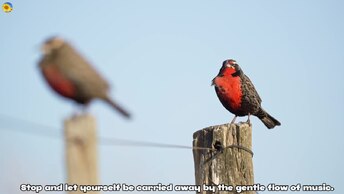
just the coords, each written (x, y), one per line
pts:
(40, 130)
(135, 143)
(36, 128)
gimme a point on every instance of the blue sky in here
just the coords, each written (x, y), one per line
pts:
(160, 58)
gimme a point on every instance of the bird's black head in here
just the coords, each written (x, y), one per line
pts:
(230, 67)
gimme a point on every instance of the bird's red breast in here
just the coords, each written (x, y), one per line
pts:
(58, 82)
(228, 89)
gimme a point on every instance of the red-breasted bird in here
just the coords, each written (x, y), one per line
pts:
(238, 95)
(71, 76)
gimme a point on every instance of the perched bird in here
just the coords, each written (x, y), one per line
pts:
(71, 76)
(238, 95)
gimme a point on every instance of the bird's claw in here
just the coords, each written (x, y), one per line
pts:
(248, 119)
(233, 120)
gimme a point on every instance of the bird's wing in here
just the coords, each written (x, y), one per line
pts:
(81, 72)
(251, 89)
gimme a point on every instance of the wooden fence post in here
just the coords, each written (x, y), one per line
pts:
(81, 151)
(225, 164)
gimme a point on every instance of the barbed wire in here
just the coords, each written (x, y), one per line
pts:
(41, 130)
(35, 128)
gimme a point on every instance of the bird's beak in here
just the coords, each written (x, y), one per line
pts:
(45, 49)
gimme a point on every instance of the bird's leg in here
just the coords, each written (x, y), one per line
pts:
(75, 114)
(233, 119)
(248, 119)
(80, 110)
(84, 108)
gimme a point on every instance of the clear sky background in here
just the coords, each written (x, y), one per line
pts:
(160, 57)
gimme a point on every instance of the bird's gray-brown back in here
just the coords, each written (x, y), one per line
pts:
(80, 72)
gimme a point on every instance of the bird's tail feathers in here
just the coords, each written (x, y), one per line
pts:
(121, 110)
(268, 120)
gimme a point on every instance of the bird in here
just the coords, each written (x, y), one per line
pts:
(238, 95)
(71, 76)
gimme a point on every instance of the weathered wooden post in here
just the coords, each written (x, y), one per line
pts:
(81, 151)
(229, 161)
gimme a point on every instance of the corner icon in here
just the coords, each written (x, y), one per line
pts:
(7, 7)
